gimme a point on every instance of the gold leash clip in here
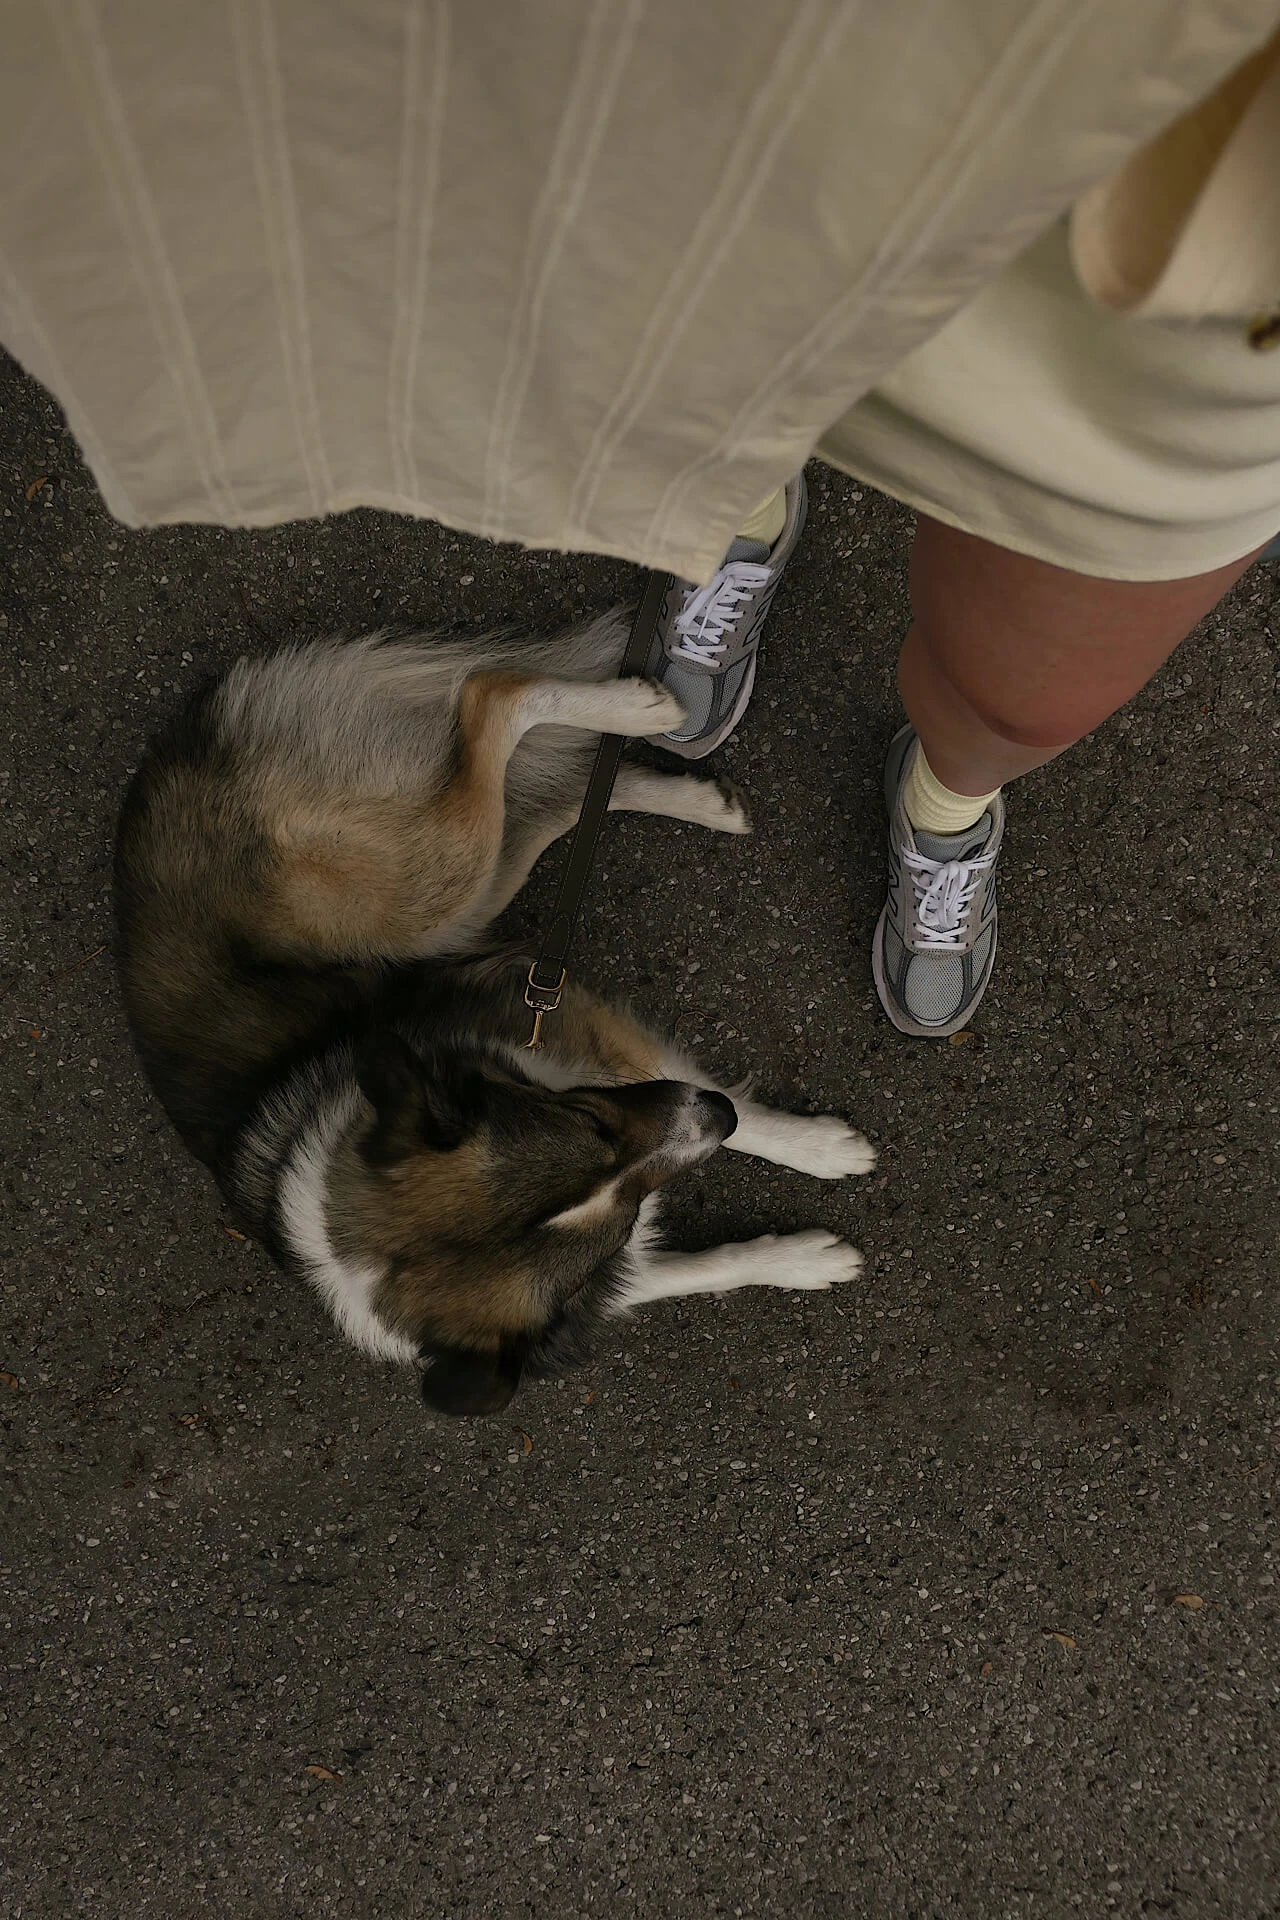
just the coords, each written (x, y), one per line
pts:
(548, 1001)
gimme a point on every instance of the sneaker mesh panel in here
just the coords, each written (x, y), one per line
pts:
(694, 692)
(934, 986)
(703, 695)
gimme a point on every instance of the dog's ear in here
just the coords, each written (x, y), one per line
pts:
(418, 1103)
(464, 1382)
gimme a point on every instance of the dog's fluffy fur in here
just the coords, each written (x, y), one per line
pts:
(306, 868)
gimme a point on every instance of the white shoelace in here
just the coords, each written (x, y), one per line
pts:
(709, 615)
(944, 891)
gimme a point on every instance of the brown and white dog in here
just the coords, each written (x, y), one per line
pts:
(306, 867)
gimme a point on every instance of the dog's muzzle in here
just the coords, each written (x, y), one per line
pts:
(721, 1113)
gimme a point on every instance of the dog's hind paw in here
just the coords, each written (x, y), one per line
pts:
(715, 804)
(733, 814)
(645, 708)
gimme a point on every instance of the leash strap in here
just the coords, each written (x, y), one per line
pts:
(548, 973)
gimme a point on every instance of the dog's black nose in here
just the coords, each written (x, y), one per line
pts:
(725, 1113)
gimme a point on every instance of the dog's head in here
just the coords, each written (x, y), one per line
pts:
(491, 1201)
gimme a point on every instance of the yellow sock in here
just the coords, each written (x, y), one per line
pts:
(933, 808)
(768, 519)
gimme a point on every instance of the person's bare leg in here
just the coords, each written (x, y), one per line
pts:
(1009, 660)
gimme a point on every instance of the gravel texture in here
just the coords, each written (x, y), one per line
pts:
(951, 1594)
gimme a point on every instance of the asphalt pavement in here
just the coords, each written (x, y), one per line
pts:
(949, 1594)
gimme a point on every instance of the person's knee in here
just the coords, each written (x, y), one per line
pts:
(1041, 656)
(1036, 730)
(1037, 720)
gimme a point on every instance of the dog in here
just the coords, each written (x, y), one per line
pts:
(307, 866)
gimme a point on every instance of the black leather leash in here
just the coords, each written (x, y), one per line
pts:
(548, 972)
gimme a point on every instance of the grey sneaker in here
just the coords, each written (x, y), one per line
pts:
(935, 941)
(708, 637)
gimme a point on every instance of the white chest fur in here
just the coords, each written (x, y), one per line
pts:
(347, 1290)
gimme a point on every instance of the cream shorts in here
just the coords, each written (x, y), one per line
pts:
(1129, 449)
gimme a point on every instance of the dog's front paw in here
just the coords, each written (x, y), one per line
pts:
(823, 1146)
(817, 1144)
(830, 1149)
(809, 1262)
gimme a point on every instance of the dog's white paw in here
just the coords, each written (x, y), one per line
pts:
(731, 814)
(828, 1148)
(716, 804)
(819, 1144)
(643, 707)
(808, 1262)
